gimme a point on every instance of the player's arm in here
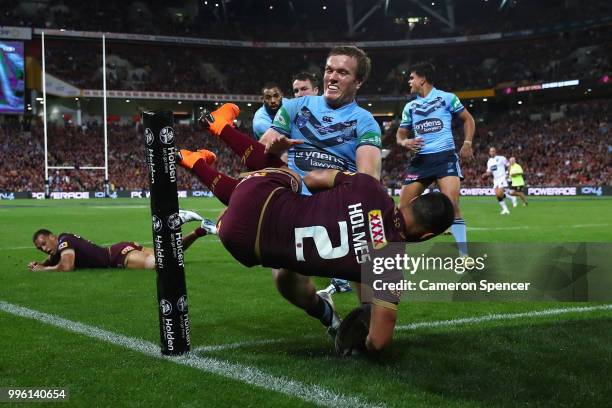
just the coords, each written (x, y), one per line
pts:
(368, 160)
(46, 262)
(65, 264)
(322, 179)
(469, 128)
(277, 143)
(402, 138)
(382, 325)
(276, 139)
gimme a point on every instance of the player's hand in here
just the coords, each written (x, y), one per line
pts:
(37, 268)
(31, 265)
(280, 144)
(484, 176)
(414, 145)
(466, 152)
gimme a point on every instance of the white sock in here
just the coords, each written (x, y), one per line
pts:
(503, 205)
(512, 198)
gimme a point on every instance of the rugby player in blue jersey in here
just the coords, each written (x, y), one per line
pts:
(273, 99)
(326, 132)
(429, 118)
(307, 84)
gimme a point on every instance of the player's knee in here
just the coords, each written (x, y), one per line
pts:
(149, 262)
(284, 278)
(376, 343)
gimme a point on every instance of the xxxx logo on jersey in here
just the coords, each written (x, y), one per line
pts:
(377, 231)
(63, 245)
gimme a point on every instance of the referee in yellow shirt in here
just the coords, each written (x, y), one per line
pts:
(517, 181)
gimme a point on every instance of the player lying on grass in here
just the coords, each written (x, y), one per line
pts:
(68, 252)
(267, 222)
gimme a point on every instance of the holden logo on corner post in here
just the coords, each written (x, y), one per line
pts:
(166, 307)
(166, 135)
(174, 221)
(181, 304)
(148, 136)
(157, 224)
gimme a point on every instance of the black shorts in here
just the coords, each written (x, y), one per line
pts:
(433, 166)
(517, 188)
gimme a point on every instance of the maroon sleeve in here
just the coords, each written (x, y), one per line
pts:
(344, 177)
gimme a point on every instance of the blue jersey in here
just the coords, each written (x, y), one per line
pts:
(331, 136)
(262, 120)
(431, 118)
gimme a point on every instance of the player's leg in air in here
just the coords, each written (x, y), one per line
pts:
(220, 123)
(140, 257)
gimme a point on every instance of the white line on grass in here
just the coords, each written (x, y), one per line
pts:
(424, 325)
(500, 316)
(522, 227)
(239, 372)
(240, 344)
(211, 240)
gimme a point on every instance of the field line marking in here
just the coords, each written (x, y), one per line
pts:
(213, 239)
(239, 372)
(421, 325)
(247, 343)
(524, 227)
(501, 316)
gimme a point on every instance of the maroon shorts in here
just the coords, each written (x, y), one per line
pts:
(240, 225)
(119, 251)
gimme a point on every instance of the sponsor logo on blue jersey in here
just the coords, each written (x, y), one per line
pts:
(428, 126)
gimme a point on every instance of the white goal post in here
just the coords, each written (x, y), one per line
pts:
(104, 120)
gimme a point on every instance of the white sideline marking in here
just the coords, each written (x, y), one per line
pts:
(239, 372)
(119, 207)
(228, 346)
(240, 344)
(499, 316)
(215, 240)
(422, 325)
(521, 227)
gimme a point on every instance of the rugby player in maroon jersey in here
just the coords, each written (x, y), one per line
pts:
(267, 222)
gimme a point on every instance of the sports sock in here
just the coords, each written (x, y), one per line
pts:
(219, 184)
(512, 198)
(322, 311)
(503, 205)
(459, 233)
(250, 151)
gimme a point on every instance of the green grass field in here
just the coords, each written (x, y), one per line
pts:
(98, 331)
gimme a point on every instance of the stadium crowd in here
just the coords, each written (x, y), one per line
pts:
(293, 21)
(572, 150)
(581, 54)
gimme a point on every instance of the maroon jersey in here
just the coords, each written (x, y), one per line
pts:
(332, 233)
(86, 253)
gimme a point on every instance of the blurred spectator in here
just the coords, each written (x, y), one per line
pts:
(572, 150)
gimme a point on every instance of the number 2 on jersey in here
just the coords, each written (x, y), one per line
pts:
(322, 242)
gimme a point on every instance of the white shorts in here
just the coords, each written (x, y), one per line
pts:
(500, 183)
